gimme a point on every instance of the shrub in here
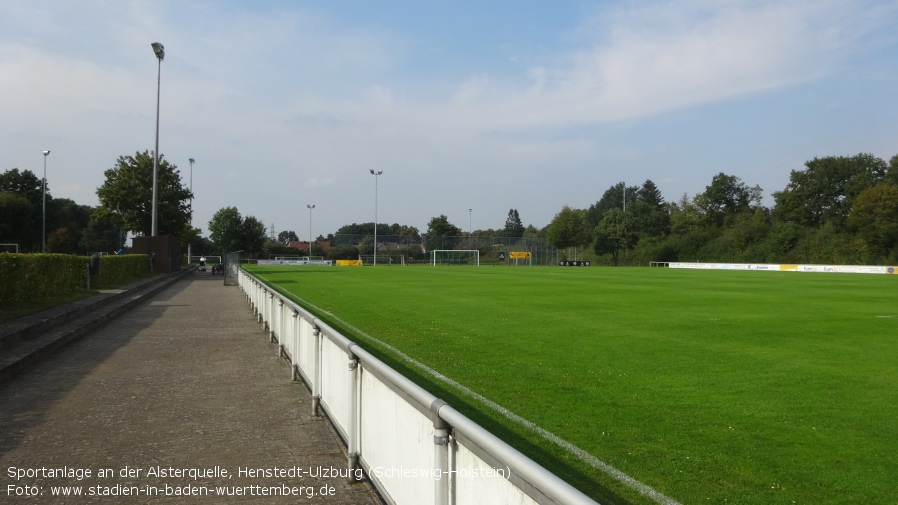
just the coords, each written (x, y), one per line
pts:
(32, 277)
(25, 277)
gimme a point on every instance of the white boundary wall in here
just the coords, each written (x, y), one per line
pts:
(412, 446)
(295, 263)
(847, 269)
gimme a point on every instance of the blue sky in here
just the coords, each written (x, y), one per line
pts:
(525, 105)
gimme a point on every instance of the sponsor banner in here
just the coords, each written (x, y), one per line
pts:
(860, 269)
(847, 269)
(294, 263)
(573, 263)
(349, 263)
(699, 266)
(774, 268)
(519, 255)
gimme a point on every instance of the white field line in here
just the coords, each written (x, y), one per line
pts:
(593, 461)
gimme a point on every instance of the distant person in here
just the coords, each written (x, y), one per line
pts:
(203, 263)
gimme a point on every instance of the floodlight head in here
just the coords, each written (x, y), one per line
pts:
(159, 49)
(376, 173)
(47, 152)
(311, 206)
(191, 160)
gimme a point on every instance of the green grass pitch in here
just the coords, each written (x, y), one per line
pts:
(707, 386)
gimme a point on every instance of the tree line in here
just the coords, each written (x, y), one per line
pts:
(836, 209)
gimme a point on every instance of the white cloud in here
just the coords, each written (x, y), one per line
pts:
(302, 99)
(315, 182)
(648, 59)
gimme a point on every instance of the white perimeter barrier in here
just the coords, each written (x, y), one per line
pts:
(295, 263)
(844, 269)
(413, 447)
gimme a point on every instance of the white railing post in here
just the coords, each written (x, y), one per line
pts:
(279, 326)
(269, 303)
(352, 430)
(316, 372)
(294, 353)
(440, 454)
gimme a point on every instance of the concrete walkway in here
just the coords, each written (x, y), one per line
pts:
(183, 395)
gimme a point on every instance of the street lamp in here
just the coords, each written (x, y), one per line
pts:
(469, 227)
(375, 174)
(624, 185)
(192, 161)
(159, 49)
(312, 206)
(44, 197)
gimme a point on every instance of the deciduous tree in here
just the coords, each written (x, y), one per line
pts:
(253, 236)
(727, 196)
(825, 191)
(15, 221)
(875, 216)
(286, 236)
(569, 228)
(615, 234)
(441, 234)
(226, 229)
(126, 197)
(26, 230)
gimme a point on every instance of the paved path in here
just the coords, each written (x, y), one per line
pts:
(188, 384)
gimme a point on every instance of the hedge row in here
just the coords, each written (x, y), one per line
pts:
(116, 269)
(29, 277)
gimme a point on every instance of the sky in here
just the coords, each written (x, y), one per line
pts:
(469, 108)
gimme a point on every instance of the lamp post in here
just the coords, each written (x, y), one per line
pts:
(159, 49)
(189, 244)
(312, 206)
(470, 237)
(44, 205)
(624, 185)
(376, 175)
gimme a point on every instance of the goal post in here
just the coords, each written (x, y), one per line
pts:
(455, 257)
(383, 259)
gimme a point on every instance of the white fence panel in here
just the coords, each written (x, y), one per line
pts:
(477, 482)
(336, 383)
(308, 352)
(395, 431)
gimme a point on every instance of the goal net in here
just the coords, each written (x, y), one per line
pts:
(382, 259)
(455, 257)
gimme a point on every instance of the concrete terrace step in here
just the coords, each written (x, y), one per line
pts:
(30, 339)
(185, 380)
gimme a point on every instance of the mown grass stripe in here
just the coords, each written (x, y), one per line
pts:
(706, 386)
(584, 456)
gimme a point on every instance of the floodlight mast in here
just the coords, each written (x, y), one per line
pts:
(44, 205)
(189, 244)
(311, 206)
(376, 175)
(470, 211)
(624, 185)
(159, 49)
